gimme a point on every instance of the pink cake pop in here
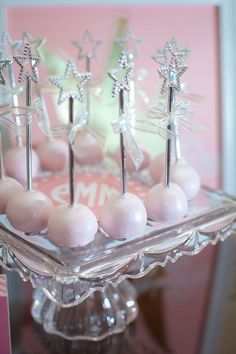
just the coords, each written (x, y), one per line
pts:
(186, 177)
(129, 162)
(122, 215)
(74, 225)
(15, 163)
(167, 202)
(93, 152)
(53, 154)
(28, 211)
(156, 167)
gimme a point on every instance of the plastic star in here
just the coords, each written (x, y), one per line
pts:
(129, 42)
(171, 74)
(87, 46)
(171, 47)
(8, 47)
(122, 74)
(35, 43)
(23, 61)
(71, 72)
(3, 65)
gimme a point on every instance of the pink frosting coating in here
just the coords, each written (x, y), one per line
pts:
(156, 167)
(8, 188)
(15, 163)
(186, 177)
(87, 150)
(53, 154)
(29, 211)
(129, 162)
(72, 226)
(166, 204)
(123, 216)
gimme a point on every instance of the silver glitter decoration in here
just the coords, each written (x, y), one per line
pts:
(23, 60)
(129, 42)
(71, 71)
(171, 74)
(122, 74)
(171, 47)
(3, 65)
(35, 43)
(84, 43)
(8, 47)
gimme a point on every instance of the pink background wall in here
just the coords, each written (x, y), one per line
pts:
(195, 27)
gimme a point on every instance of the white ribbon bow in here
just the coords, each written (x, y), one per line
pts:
(123, 125)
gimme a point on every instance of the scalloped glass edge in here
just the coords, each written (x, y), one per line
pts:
(134, 261)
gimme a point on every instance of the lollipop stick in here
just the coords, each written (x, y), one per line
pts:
(88, 68)
(15, 101)
(71, 155)
(178, 153)
(1, 156)
(122, 147)
(168, 142)
(29, 138)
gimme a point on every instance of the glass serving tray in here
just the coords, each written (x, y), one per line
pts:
(70, 275)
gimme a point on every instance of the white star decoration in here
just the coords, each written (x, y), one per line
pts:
(78, 92)
(129, 42)
(3, 65)
(35, 43)
(171, 47)
(171, 74)
(8, 47)
(23, 61)
(121, 74)
(87, 46)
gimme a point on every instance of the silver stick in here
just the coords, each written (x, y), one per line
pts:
(178, 153)
(168, 142)
(29, 137)
(19, 139)
(71, 155)
(88, 68)
(122, 146)
(1, 156)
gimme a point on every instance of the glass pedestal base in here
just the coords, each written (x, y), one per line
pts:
(101, 314)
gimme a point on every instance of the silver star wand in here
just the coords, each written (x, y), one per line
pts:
(28, 72)
(171, 83)
(8, 47)
(67, 92)
(88, 51)
(121, 75)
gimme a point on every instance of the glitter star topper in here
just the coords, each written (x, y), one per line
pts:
(71, 84)
(3, 65)
(87, 46)
(129, 42)
(122, 74)
(171, 47)
(171, 74)
(28, 64)
(8, 47)
(35, 43)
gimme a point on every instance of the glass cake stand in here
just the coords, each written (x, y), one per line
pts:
(84, 293)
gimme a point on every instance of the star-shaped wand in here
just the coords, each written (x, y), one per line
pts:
(71, 92)
(28, 72)
(171, 82)
(121, 75)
